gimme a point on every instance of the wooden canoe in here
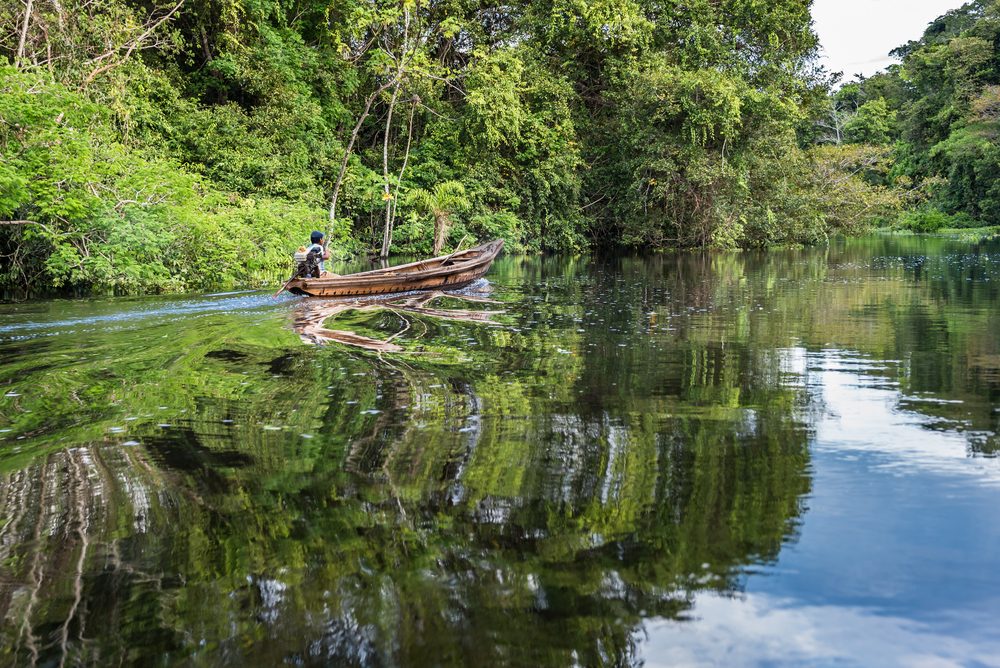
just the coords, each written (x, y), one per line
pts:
(445, 272)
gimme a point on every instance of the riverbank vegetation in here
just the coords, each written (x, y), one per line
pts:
(937, 113)
(162, 146)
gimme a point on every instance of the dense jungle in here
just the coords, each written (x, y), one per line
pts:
(153, 146)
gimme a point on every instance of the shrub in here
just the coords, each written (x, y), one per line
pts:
(932, 220)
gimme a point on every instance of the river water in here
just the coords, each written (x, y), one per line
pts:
(784, 458)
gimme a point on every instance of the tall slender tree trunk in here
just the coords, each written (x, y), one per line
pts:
(390, 221)
(393, 81)
(24, 34)
(386, 186)
(350, 147)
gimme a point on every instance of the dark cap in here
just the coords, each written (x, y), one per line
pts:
(316, 237)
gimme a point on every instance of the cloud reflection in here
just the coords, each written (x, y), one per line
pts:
(865, 412)
(760, 629)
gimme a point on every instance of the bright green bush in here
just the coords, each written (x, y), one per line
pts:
(499, 225)
(932, 220)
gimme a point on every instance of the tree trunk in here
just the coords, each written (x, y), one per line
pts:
(396, 78)
(350, 148)
(441, 225)
(394, 202)
(386, 186)
(24, 34)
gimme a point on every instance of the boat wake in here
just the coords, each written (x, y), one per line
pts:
(119, 313)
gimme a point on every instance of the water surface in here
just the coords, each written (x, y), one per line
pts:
(781, 458)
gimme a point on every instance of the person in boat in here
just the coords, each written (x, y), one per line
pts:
(310, 258)
(317, 246)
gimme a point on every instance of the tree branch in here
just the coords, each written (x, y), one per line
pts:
(29, 222)
(387, 187)
(132, 45)
(364, 115)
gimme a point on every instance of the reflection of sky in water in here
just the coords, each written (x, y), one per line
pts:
(760, 629)
(864, 585)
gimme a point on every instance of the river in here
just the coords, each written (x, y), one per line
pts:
(775, 458)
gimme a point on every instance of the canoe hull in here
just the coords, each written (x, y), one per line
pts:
(447, 272)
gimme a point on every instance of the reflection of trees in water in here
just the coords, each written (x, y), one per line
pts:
(67, 519)
(468, 521)
(925, 306)
(531, 498)
(536, 534)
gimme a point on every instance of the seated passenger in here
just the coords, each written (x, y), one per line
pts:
(310, 258)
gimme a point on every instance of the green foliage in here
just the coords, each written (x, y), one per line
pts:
(933, 220)
(872, 124)
(444, 199)
(441, 202)
(849, 180)
(501, 225)
(495, 112)
(941, 107)
(569, 124)
(94, 214)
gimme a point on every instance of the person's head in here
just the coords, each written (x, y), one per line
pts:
(316, 238)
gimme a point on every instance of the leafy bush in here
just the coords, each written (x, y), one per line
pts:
(933, 220)
(88, 213)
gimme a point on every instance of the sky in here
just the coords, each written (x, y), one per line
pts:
(857, 35)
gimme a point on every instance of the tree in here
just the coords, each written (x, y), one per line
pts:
(872, 124)
(441, 202)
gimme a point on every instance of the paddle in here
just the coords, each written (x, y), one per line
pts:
(283, 287)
